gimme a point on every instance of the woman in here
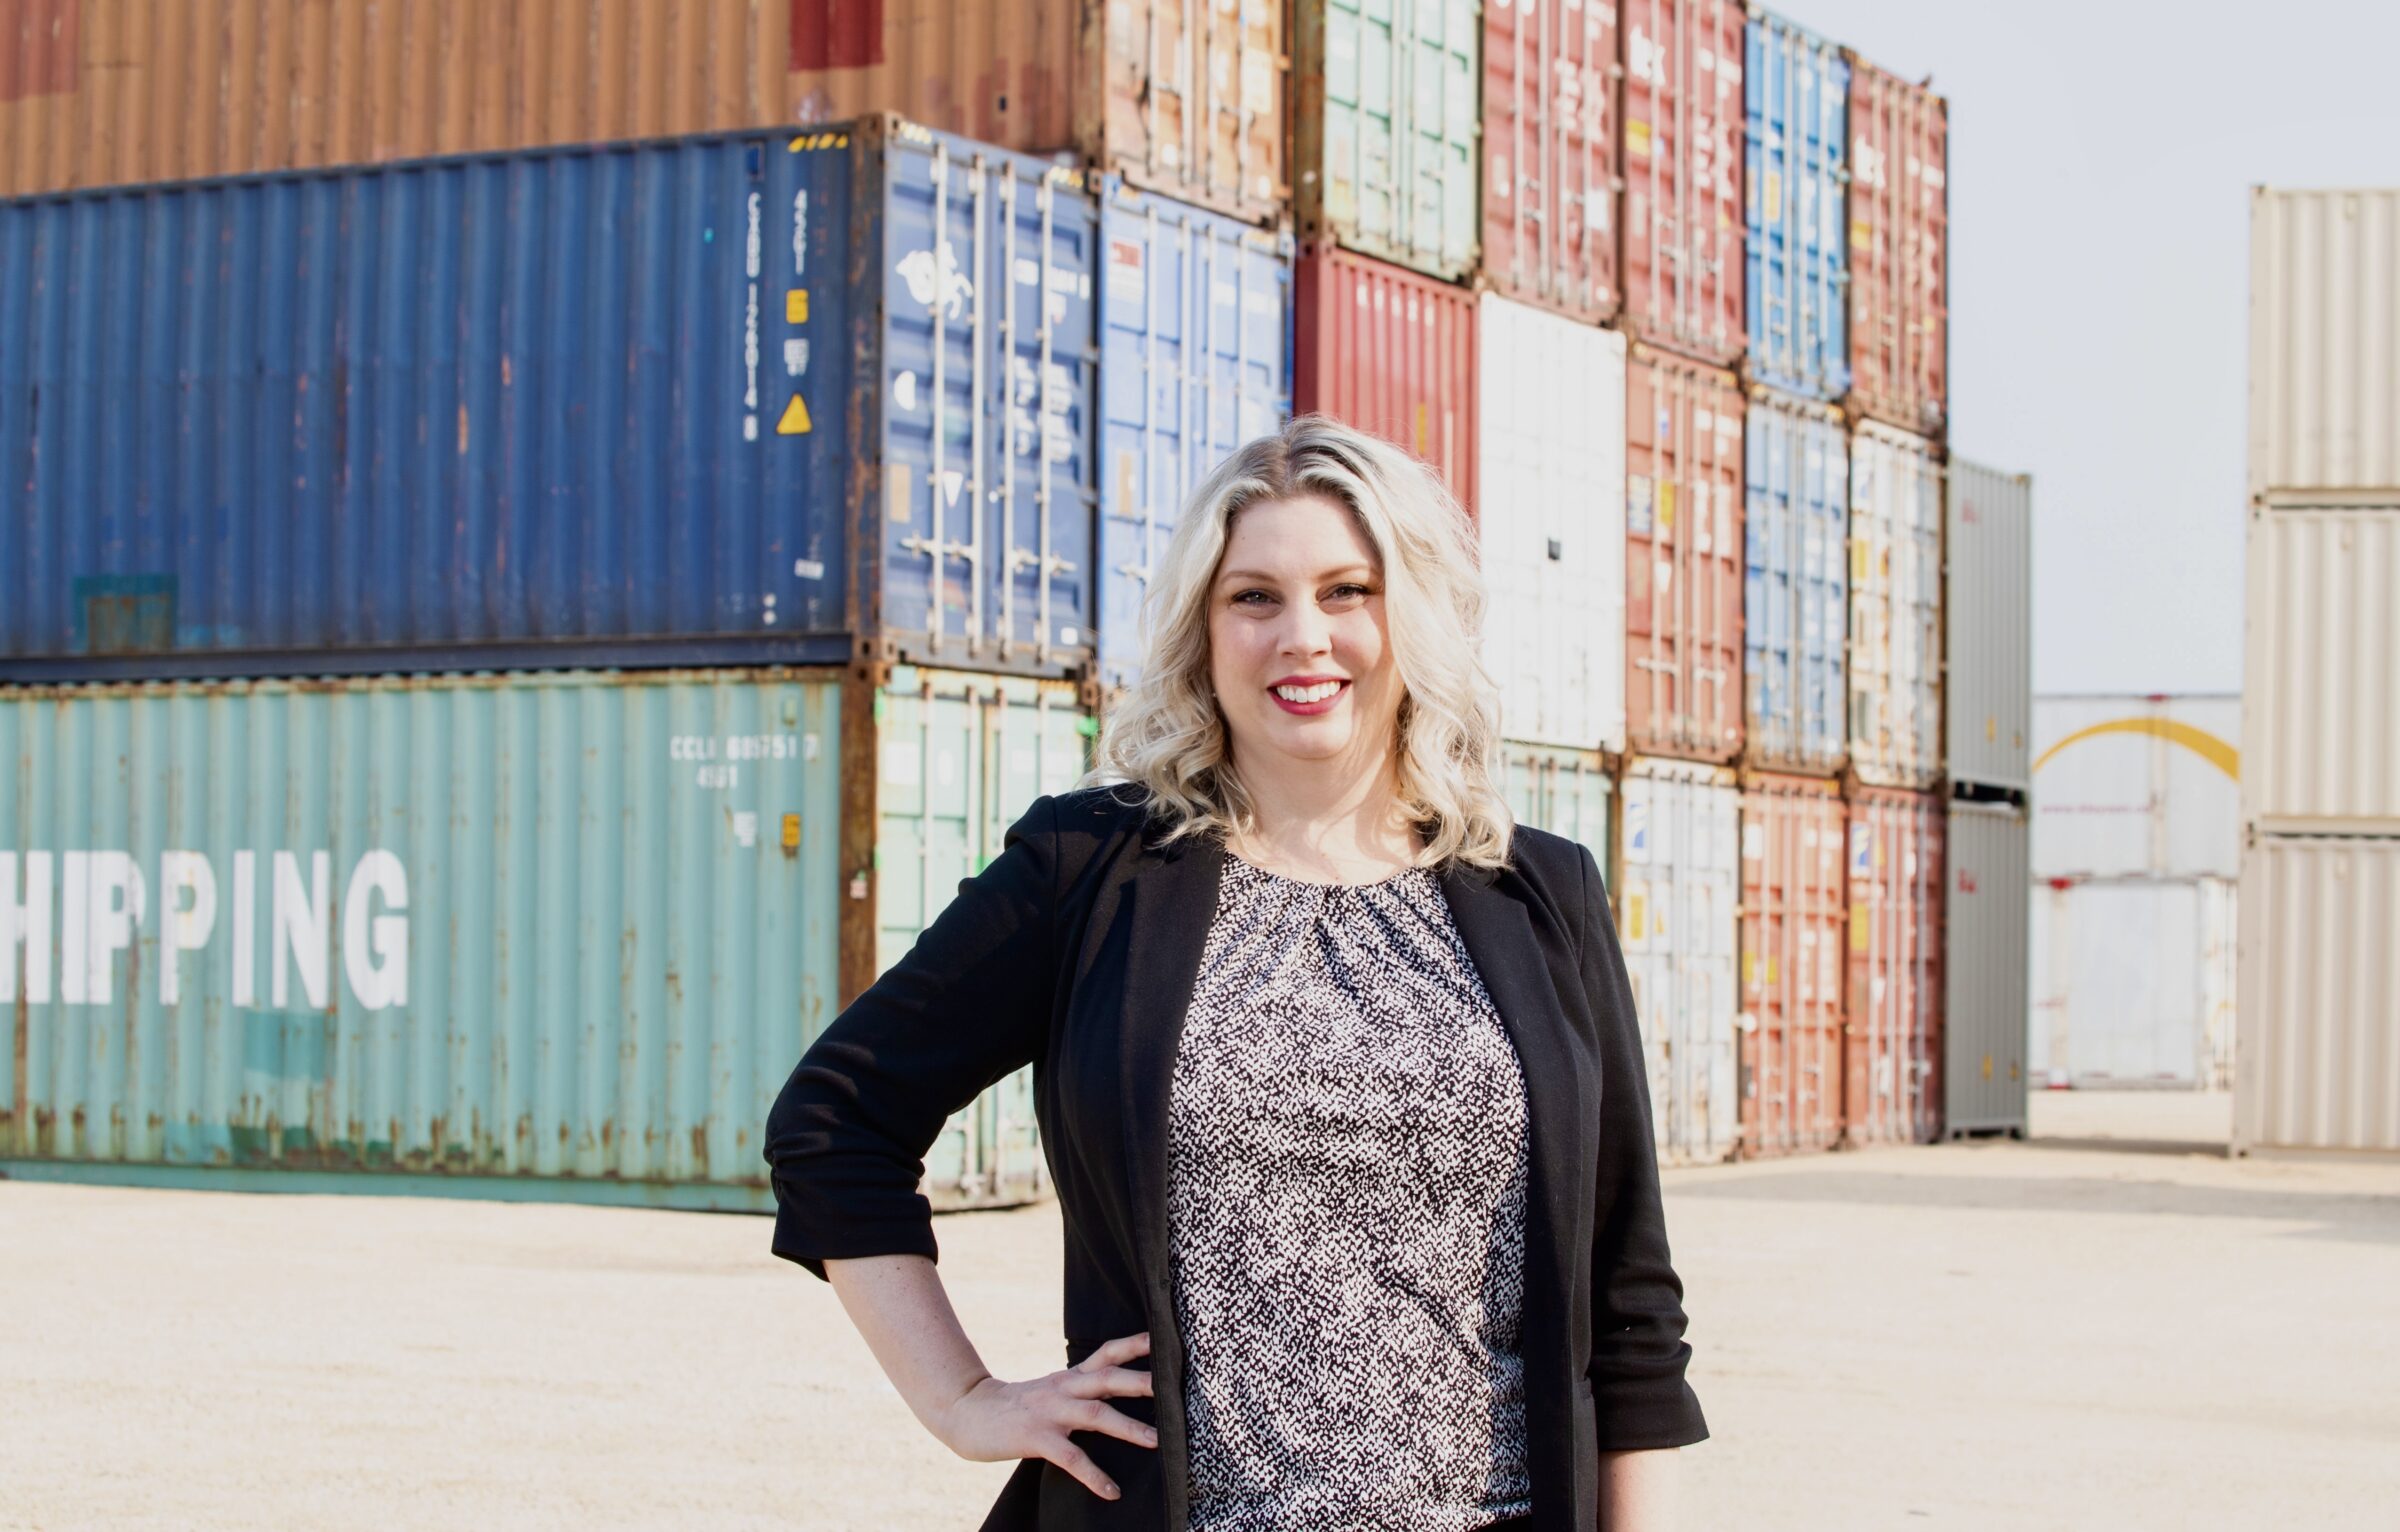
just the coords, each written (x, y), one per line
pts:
(1337, 1073)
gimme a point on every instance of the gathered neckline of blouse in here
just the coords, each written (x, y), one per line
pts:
(1383, 882)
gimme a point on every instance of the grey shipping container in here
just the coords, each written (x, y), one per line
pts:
(1985, 911)
(774, 398)
(1987, 626)
(534, 937)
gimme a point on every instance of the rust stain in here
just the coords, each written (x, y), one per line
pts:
(700, 1150)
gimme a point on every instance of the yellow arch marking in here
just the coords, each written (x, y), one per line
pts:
(2199, 741)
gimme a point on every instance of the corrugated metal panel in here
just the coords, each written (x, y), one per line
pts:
(1186, 99)
(2137, 787)
(1565, 792)
(1795, 586)
(1683, 172)
(573, 927)
(1384, 128)
(1892, 1027)
(1793, 896)
(1683, 558)
(1195, 360)
(1899, 251)
(2321, 731)
(1389, 352)
(1677, 921)
(2325, 347)
(2133, 983)
(1987, 635)
(1984, 1012)
(1895, 608)
(2318, 1057)
(958, 758)
(1550, 155)
(1553, 499)
(445, 416)
(1796, 99)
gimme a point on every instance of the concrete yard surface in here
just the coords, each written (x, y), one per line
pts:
(2102, 1329)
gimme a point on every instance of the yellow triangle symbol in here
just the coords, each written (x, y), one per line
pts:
(795, 421)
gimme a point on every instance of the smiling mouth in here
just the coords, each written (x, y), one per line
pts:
(1317, 697)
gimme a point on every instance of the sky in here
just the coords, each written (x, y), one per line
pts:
(2101, 155)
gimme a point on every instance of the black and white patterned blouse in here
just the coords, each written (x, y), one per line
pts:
(1346, 1196)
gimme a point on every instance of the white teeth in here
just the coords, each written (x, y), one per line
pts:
(1316, 693)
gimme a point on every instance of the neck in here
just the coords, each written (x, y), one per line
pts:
(1336, 817)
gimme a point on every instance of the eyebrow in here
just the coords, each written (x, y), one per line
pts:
(1330, 574)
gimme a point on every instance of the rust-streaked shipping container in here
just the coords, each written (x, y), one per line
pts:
(1892, 1003)
(1793, 896)
(1182, 98)
(1682, 156)
(1550, 155)
(1899, 251)
(1676, 918)
(1683, 558)
(1895, 608)
(1390, 352)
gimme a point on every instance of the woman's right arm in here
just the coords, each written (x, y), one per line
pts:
(900, 1307)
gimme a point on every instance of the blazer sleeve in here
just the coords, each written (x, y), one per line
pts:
(1638, 1351)
(969, 1004)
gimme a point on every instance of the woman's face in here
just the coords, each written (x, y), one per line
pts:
(1298, 650)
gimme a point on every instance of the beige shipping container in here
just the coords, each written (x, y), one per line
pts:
(2321, 678)
(1895, 608)
(1181, 96)
(2324, 347)
(2317, 1051)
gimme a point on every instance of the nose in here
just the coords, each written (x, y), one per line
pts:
(1306, 631)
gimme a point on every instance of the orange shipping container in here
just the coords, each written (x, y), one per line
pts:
(1184, 98)
(1899, 251)
(1390, 352)
(1550, 155)
(1792, 964)
(1892, 1033)
(1684, 217)
(1683, 558)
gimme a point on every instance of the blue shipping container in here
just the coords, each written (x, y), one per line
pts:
(718, 399)
(1796, 95)
(1795, 585)
(1195, 359)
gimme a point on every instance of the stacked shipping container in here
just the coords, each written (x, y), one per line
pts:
(867, 395)
(2318, 1034)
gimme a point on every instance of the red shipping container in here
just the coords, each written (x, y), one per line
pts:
(1684, 219)
(1899, 251)
(1793, 897)
(1390, 352)
(1683, 558)
(1550, 155)
(1892, 1031)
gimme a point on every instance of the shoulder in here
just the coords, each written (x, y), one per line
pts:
(1552, 862)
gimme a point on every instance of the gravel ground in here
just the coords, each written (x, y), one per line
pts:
(2109, 1327)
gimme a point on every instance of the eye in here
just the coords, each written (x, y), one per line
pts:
(1242, 598)
(1348, 594)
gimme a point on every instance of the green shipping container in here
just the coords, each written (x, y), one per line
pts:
(1385, 129)
(540, 937)
(1565, 791)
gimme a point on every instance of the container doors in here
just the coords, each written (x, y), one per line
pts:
(1895, 609)
(1550, 154)
(1196, 314)
(1795, 588)
(1892, 1028)
(1683, 551)
(1682, 169)
(1899, 251)
(1387, 130)
(1796, 92)
(1791, 934)
(1551, 513)
(988, 487)
(1676, 920)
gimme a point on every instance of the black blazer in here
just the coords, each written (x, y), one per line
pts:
(1076, 951)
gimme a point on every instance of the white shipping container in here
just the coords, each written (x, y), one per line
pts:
(2133, 984)
(2317, 1063)
(1678, 922)
(1895, 608)
(2321, 673)
(2137, 787)
(1987, 638)
(2324, 347)
(1551, 500)
(1984, 1012)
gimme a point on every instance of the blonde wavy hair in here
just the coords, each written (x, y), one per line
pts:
(1166, 733)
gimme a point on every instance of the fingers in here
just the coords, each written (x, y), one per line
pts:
(1116, 1352)
(1092, 1415)
(1079, 1463)
(1112, 1382)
